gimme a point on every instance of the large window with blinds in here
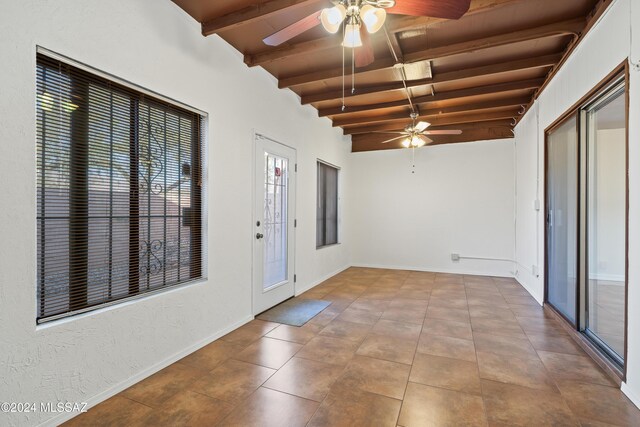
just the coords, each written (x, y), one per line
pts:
(327, 205)
(119, 179)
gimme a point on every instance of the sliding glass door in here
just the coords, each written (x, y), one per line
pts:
(605, 128)
(562, 216)
(586, 218)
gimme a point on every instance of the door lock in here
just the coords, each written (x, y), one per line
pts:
(259, 236)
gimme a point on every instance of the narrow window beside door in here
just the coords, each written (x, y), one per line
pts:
(118, 193)
(327, 205)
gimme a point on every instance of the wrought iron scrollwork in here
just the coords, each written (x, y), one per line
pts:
(151, 156)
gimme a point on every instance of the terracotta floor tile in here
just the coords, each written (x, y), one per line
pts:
(429, 406)
(555, 344)
(503, 344)
(447, 313)
(305, 378)
(444, 301)
(511, 405)
(232, 381)
(189, 408)
(323, 318)
(482, 312)
(406, 331)
(526, 311)
(447, 328)
(116, 411)
(600, 403)
(355, 332)
(438, 345)
(269, 352)
(416, 294)
(407, 315)
(375, 376)
(370, 305)
(250, 332)
(356, 408)
(388, 348)
(210, 356)
(441, 342)
(444, 372)
(164, 384)
(497, 327)
(300, 335)
(525, 372)
(379, 293)
(330, 350)
(541, 325)
(270, 408)
(354, 315)
(574, 367)
(408, 303)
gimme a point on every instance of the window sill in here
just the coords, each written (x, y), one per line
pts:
(46, 324)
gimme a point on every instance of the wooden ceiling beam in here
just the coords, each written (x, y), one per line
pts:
(395, 25)
(438, 119)
(484, 134)
(364, 124)
(443, 96)
(250, 14)
(401, 124)
(488, 70)
(556, 29)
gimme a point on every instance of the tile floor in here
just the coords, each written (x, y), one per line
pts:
(394, 348)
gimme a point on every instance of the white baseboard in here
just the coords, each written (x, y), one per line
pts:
(435, 270)
(117, 388)
(301, 290)
(633, 397)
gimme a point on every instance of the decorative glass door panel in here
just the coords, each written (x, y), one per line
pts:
(275, 219)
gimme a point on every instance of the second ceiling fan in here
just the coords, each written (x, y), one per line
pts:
(359, 18)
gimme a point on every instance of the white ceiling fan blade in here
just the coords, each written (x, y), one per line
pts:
(422, 126)
(442, 132)
(393, 139)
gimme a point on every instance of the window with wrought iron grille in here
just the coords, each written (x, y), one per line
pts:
(327, 205)
(119, 179)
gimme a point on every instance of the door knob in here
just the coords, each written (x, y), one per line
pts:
(259, 236)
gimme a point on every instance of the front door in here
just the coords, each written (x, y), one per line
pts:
(273, 224)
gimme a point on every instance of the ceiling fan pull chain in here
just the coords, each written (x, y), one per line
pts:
(413, 159)
(353, 70)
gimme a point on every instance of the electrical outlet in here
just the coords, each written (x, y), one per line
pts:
(455, 257)
(534, 270)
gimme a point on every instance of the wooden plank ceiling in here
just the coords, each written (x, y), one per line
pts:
(478, 74)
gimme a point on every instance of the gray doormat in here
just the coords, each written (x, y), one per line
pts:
(294, 312)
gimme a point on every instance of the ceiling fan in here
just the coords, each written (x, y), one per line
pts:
(359, 18)
(415, 135)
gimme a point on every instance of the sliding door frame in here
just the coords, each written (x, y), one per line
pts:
(620, 73)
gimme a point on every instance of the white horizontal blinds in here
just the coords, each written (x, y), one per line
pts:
(327, 205)
(119, 183)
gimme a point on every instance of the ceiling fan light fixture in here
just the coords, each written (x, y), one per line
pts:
(417, 142)
(406, 143)
(332, 17)
(352, 36)
(372, 17)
